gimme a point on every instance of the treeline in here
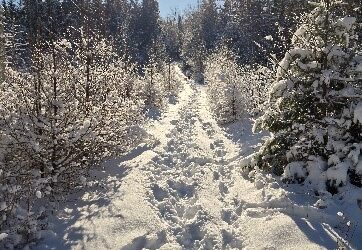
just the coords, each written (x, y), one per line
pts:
(251, 29)
(241, 26)
(133, 27)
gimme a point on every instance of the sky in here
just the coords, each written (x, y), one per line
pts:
(167, 7)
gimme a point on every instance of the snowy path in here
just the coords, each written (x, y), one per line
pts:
(185, 192)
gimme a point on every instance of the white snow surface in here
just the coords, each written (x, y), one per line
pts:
(358, 113)
(183, 189)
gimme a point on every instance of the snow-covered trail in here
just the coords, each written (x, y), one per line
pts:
(181, 190)
(190, 175)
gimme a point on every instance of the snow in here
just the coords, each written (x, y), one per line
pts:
(288, 59)
(359, 167)
(3, 236)
(299, 34)
(279, 87)
(316, 177)
(338, 173)
(3, 205)
(333, 159)
(294, 171)
(358, 113)
(354, 154)
(183, 188)
(83, 179)
(359, 67)
(347, 22)
(335, 51)
(269, 38)
(38, 194)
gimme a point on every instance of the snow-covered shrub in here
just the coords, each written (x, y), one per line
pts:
(157, 84)
(150, 87)
(235, 90)
(314, 106)
(170, 81)
(224, 88)
(69, 112)
(256, 80)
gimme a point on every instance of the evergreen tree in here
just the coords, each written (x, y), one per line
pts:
(193, 49)
(16, 48)
(209, 24)
(230, 16)
(314, 113)
(148, 28)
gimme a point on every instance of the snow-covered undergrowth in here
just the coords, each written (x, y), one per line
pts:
(235, 91)
(65, 116)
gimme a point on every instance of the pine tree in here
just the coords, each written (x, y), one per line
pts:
(153, 86)
(314, 113)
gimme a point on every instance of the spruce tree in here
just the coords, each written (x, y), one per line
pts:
(315, 104)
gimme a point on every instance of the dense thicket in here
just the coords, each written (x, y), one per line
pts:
(77, 76)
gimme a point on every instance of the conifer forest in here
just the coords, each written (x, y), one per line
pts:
(228, 124)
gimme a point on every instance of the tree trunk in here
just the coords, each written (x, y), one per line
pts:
(2, 45)
(55, 110)
(87, 86)
(169, 76)
(37, 103)
(325, 59)
(151, 99)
